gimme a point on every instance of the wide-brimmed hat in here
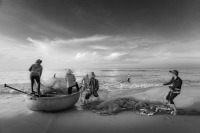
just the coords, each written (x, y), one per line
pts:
(174, 72)
(69, 71)
(38, 61)
(92, 74)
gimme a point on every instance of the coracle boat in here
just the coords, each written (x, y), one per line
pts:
(52, 102)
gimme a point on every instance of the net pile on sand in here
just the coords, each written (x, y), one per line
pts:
(114, 106)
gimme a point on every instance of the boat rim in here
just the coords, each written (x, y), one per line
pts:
(55, 96)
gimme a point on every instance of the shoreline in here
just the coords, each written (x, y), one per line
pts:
(16, 118)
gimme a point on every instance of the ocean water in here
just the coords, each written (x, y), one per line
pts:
(109, 79)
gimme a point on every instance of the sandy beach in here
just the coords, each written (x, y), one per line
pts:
(130, 53)
(16, 118)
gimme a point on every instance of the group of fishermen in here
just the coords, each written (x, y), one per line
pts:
(91, 84)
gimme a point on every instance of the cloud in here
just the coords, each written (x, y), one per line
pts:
(100, 43)
(35, 42)
(85, 55)
(72, 44)
(114, 56)
(113, 47)
(99, 47)
(133, 47)
(96, 48)
(94, 36)
(74, 40)
(102, 50)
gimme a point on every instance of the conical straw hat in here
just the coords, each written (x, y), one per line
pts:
(69, 71)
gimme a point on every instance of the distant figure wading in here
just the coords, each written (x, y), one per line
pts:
(128, 78)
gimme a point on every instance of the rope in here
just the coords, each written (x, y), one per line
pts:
(165, 92)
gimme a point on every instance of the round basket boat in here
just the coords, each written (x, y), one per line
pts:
(52, 103)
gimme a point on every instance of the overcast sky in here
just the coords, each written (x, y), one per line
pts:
(100, 33)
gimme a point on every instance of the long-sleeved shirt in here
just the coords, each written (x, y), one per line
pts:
(71, 80)
(36, 70)
(176, 84)
(94, 84)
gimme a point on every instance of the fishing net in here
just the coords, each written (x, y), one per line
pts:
(54, 84)
(49, 83)
(117, 105)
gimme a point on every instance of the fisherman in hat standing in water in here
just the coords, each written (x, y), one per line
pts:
(35, 74)
(71, 81)
(175, 89)
(93, 88)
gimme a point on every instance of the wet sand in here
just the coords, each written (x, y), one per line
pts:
(16, 118)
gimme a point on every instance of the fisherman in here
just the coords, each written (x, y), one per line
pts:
(85, 86)
(85, 82)
(35, 74)
(71, 81)
(128, 78)
(93, 88)
(175, 89)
